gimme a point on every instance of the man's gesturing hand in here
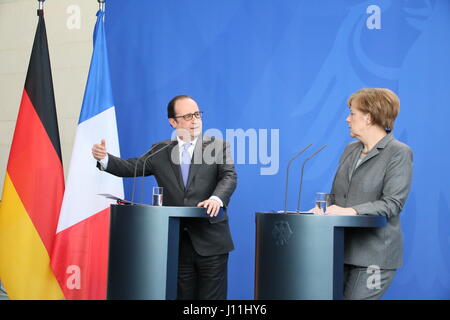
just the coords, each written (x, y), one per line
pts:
(99, 150)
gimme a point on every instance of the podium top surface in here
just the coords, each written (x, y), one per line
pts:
(181, 212)
(362, 221)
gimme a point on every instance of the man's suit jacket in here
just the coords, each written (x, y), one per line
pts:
(378, 186)
(211, 173)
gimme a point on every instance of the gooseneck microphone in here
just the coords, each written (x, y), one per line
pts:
(152, 155)
(135, 172)
(136, 165)
(301, 178)
(287, 176)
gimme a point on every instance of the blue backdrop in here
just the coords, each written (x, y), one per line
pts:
(290, 65)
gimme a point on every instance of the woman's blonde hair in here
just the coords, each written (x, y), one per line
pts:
(382, 104)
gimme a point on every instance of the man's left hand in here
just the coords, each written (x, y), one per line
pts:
(212, 207)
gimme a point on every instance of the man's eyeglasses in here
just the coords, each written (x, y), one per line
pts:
(189, 116)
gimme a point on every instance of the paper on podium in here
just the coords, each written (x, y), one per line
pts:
(113, 197)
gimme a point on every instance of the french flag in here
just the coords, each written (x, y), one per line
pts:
(80, 254)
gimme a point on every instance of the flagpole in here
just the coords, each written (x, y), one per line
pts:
(101, 4)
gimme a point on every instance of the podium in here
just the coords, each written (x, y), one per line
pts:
(301, 257)
(143, 250)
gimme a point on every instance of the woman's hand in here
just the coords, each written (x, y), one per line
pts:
(340, 211)
(317, 210)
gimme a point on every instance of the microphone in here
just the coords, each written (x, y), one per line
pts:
(287, 176)
(135, 171)
(152, 155)
(301, 178)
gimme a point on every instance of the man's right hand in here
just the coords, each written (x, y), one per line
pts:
(99, 150)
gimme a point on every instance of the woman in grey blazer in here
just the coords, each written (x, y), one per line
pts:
(373, 178)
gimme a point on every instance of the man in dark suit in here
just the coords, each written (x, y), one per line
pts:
(194, 170)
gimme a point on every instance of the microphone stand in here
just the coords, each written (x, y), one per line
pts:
(150, 156)
(287, 176)
(301, 178)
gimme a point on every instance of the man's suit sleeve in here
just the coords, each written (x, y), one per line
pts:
(227, 177)
(126, 168)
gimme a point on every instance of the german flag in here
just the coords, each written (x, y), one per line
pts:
(34, 185)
